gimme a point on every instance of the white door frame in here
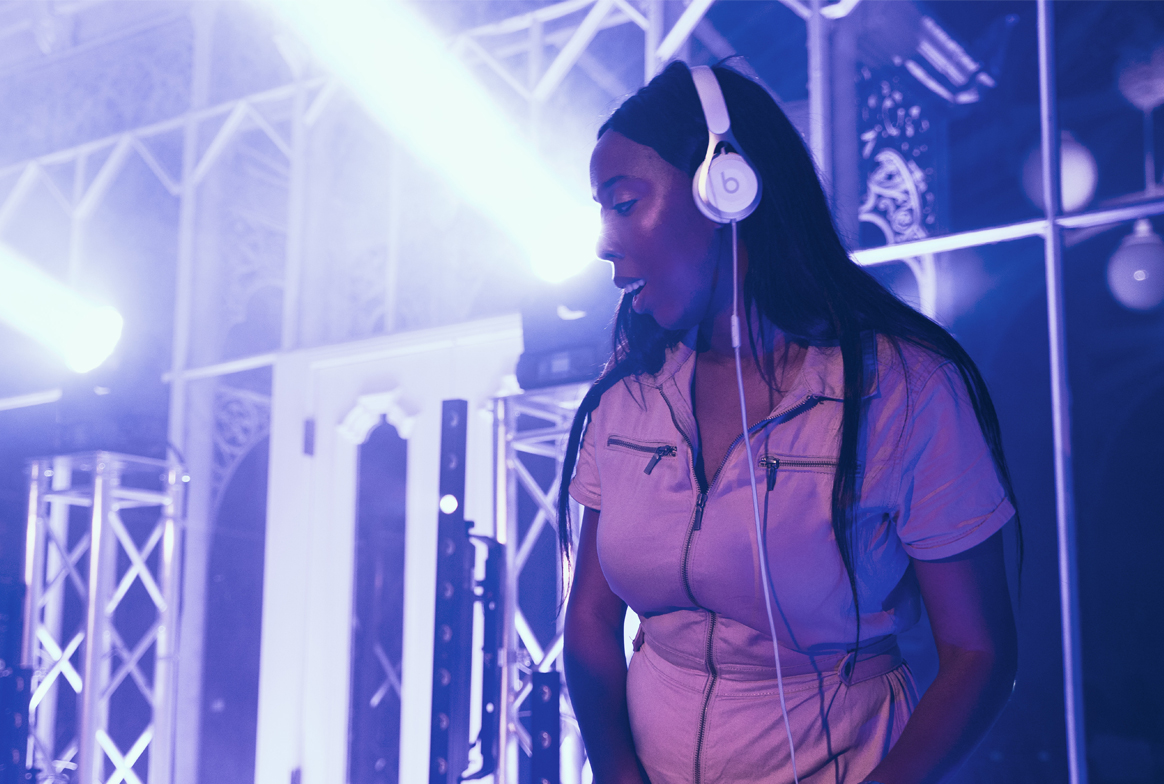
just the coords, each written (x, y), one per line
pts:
(304, 679)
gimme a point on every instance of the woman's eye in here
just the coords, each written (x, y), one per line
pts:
(623, 207)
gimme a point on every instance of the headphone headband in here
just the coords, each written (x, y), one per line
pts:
(714, 109)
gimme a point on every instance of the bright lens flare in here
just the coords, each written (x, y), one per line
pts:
(32, 301)
(409, 81)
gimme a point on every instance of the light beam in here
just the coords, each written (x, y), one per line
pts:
(428, 100)
(81, 332)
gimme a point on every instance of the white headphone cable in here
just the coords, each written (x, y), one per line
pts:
(763, 551)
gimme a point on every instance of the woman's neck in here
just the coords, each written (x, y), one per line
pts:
(774, 349)
(714, 337)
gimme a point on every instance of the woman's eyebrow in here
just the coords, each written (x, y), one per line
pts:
(611, 181)
(607, 186)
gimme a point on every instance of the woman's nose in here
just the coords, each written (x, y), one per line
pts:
(607, 249)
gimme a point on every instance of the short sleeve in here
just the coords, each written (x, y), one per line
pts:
(585, 487)
(951, 496)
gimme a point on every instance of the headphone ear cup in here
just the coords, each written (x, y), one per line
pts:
(726, 188)
(732, 186)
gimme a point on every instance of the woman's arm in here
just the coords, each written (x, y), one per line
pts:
(596, 666)
(969, 608)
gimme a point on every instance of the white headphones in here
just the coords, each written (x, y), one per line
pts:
(726, 187)
(727, 190)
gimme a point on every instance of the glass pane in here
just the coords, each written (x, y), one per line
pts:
(1117, 375)
(234, 578)
(377, 625)
(1107, 82)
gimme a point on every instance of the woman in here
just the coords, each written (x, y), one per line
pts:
(881, 482)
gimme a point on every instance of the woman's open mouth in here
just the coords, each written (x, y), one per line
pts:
(634, 288)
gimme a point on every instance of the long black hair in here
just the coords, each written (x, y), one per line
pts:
(800, 277)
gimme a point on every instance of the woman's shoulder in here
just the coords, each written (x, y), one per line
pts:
(890, 364)
(626, 392)
(902, 362)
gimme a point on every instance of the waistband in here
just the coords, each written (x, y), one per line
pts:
(872, 660)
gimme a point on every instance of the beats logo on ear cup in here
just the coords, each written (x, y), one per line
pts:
(731, 184)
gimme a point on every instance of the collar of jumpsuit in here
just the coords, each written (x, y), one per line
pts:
(822, 376)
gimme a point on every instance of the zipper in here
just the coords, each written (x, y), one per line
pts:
(772, 464)
(657, 453)
(686, 439)
(696, 524)
(705, 492)
(706, 697)
(700, 504)
(780, 418)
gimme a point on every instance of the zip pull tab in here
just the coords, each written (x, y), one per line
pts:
(699, 504)
(660, 453)
(771, 464)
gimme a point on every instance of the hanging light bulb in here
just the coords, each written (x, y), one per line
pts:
(1141, 80)
(1078, 174)
(1135, 273)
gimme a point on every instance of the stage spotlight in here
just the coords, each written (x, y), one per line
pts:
(1135, 273)
(32, 301)
(1078, 174)
(427, 99)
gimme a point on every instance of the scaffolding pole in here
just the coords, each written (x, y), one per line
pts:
(1060, 402)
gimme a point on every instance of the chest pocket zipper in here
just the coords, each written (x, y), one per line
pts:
(772, 464)
(657, 453)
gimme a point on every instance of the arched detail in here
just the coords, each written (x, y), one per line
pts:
(925, 272)
(242, 419)
(368, 410)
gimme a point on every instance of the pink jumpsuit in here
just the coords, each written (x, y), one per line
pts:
(702, 689)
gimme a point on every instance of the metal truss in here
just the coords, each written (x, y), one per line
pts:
(83, 198)
(531, 431)
(497, 43)
(113, 152)
(92, 579)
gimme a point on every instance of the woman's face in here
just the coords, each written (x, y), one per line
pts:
(653, 233)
